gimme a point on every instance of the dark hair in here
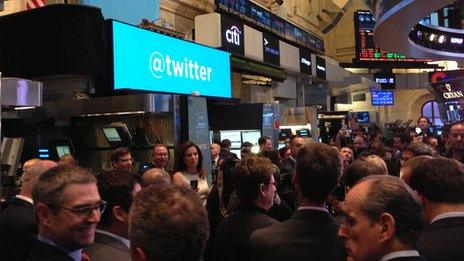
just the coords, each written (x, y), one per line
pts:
(116, 189)
(358, 170)
(262, 140)
(247, 145)
(169, 223)
(388, 194)
(225, 143)
(423, 117)
(180, 164)
(318, 171)
(283, 151)
(115, 154)
(273, 155)
(439, 180)
(419, 149)
(250, 174)
(404, 138)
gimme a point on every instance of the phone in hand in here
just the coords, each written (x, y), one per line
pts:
(194, 184)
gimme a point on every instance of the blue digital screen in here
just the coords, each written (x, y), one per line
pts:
(147, 61)
(382, 98)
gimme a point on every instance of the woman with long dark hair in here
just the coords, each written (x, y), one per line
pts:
(189, 169)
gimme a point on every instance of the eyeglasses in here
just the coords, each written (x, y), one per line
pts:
(84, 212)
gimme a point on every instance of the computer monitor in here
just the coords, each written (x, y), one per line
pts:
(62, 150)
(111, 134)
(303, 132)
(362, 117)
(251, 136)
(285, 133)
(117, 135)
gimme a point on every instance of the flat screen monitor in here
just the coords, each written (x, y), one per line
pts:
(111, 134)
(303, 132)
(251, 136)
(382, 98)
(386, 80)
(362, 117)
(234, 136)
(280, 145)
(285, 133)
(62, 150)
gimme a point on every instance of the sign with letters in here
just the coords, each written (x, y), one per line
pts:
(147, 61)
(305, 61)
(232, 35)
(271, 52)
(320, 68)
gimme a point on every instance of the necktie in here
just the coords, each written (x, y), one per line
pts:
(84, 257)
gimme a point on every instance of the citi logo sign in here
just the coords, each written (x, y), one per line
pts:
(233, 35)
(166, 66)
(304, 61)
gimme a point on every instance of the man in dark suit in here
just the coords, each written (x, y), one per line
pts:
(382, 220)
(18, 228)
(440, 185)
(285, 189)
(256, 189)
(111, 239)
(68, 208)
(311, 233)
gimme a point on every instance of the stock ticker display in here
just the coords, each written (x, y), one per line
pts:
(257, 16)
(364, 24)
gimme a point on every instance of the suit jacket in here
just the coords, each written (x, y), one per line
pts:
(443, 239)
(106, 248)
(18, 230)
(45, 252)
(308, 235)
(232, 237)
(408, 258)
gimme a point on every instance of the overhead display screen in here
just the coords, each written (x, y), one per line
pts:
(271, 49)
(364, 23)
(147, 61)
(257, 16)
(382, 98)
(386, 80)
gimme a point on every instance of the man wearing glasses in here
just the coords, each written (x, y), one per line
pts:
(382, 220)
(121, 159)
(68, 208)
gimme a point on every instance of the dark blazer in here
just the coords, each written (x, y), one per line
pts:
(308, 235)
(45, 252)
(443, 240)
(18, 230)
(232, 237)
(105, 248)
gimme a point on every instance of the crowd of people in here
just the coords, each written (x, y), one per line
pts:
(359, 198)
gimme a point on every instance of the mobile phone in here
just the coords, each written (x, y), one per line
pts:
(194, 184)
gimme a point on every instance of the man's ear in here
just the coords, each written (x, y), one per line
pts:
(387, 227)
(138, 254)
(120, 214)
(43, 213)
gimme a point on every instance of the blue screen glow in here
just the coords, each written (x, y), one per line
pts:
(380, 98)
(148, 61)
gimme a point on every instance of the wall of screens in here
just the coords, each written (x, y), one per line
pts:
(257, 16)
(364, 23)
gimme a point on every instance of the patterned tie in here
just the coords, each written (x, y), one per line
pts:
(84, 257)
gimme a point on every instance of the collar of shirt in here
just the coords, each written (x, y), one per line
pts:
(25, 199)
(125, 241)
(448, 215)
(405, 253)
(314, 208)
(75, 255)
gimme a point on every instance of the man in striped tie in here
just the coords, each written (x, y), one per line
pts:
(31, 4)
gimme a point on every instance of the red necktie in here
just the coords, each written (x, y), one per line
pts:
(84, 257)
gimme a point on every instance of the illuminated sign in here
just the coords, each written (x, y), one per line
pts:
(305, 61)
(147, 61)
(271, 49)
(320, 68)
(382, 98)
(449, 90)
(232, 35)
(386, 80)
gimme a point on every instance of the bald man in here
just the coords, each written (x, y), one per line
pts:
(17, 222)
(156, 176)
